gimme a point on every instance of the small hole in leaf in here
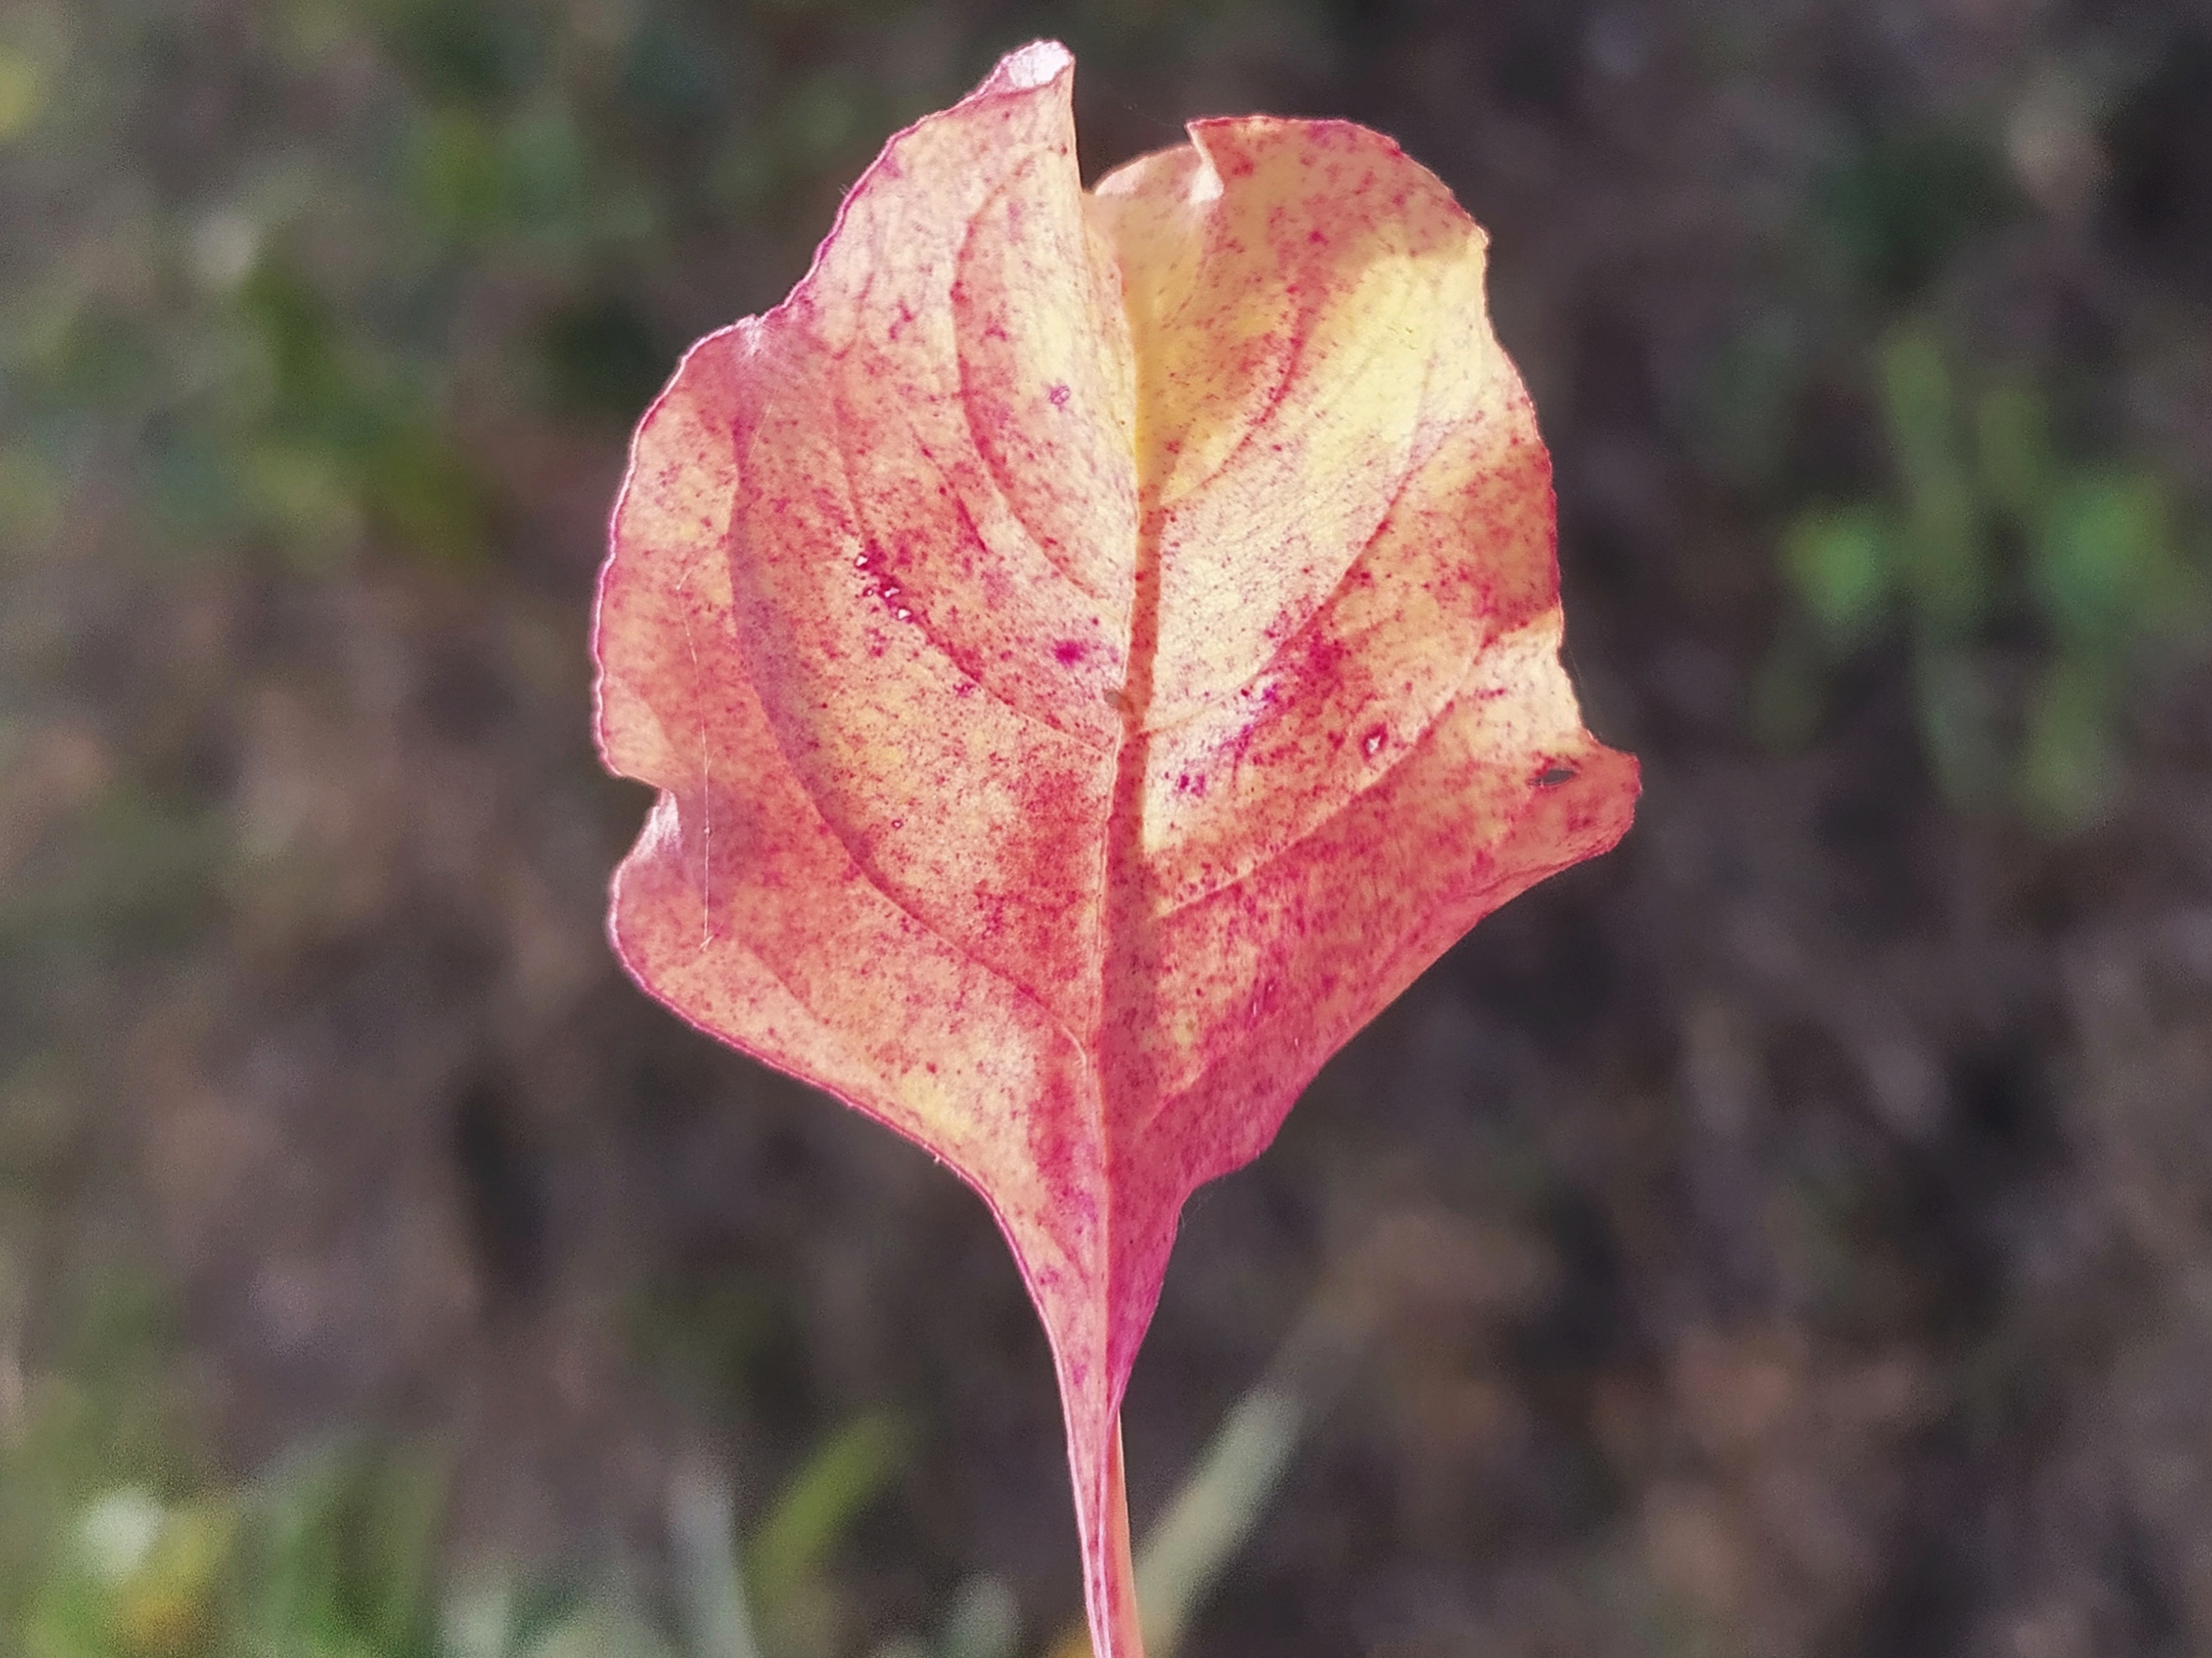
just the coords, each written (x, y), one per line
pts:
(1552, 777)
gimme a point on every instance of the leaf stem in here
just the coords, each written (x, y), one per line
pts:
(1116, 1626)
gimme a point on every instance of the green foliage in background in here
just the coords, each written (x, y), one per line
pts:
(2030, 589)
(113, 1548)
(2029, 582)
(335, 1554)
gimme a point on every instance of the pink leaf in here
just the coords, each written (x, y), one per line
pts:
(1095, 650)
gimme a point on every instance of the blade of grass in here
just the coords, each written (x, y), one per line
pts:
(842, 1477)
(703, 1537)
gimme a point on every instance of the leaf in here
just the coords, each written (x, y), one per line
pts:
(1094, 651)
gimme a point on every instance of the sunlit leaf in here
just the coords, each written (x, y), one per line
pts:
(1094, 651)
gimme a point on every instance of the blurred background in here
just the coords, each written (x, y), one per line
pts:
(1790, 1234)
